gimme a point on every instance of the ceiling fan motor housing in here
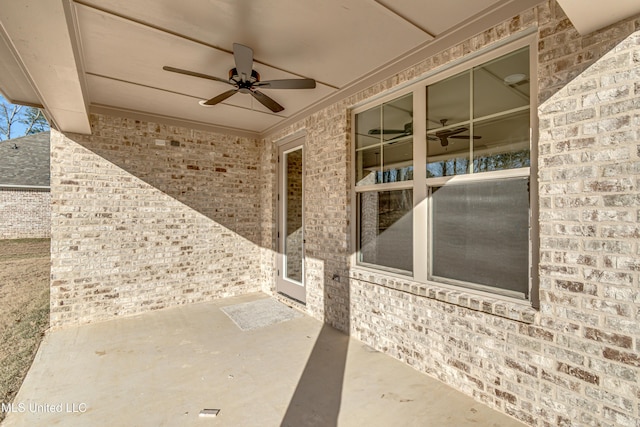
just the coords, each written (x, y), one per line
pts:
(247, 84)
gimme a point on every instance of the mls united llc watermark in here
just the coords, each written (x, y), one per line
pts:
(39, 408)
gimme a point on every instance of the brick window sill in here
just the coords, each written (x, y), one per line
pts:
(519, 311)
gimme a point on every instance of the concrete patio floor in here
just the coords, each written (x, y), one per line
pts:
(164, 367)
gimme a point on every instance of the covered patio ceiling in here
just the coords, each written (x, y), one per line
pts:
(76, 57)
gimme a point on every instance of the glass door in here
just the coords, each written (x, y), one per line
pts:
(290, 269)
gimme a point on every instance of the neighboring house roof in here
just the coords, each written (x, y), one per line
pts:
(25, 161)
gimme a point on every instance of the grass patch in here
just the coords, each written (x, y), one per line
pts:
(24, 309)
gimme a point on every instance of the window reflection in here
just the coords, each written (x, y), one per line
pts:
(386, 228)
(504, 143)
(488, 131)
(384, 143)
(480, 233)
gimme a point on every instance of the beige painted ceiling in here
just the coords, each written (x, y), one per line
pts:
(107, 55)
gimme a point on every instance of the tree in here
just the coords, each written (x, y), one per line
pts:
(20, 120)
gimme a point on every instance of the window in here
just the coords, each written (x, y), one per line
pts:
(384, 174)
(384, 143)
(473, 151)
(480, 234)
(478, 120)
(386, 228)
(478, 125)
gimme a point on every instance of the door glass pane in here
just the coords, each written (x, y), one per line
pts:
(293, 216)
(480, 233)
(386, 228)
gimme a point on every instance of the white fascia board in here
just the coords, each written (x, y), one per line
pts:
(591, 15)
(37, 32)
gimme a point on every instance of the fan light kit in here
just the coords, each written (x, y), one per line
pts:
(514, 79)
(245, 80)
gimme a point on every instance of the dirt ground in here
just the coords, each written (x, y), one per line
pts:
(24, 309)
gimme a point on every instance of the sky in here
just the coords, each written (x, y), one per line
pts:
(17, 129)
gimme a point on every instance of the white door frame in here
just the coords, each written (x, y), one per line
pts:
(285, 285)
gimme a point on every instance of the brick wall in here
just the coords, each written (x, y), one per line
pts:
(138, 226)
(326, 211)
(268, 215)
(589, 210)
(576, 361)
(25, 213)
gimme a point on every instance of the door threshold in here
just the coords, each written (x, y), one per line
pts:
(292, 300)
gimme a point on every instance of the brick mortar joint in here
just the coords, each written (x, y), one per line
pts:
(513, 311)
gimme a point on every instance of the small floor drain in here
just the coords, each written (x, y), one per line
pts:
(209, 413)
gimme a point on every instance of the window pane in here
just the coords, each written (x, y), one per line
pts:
(497, 124)
(501, 84)
(448, 115)
(398, 160)
(448, 102)
(368, 166)
(386, 228)
(450, 159)
(368, 128)
(384, 142)
(397, 118)
(503, 143)
(480, 233)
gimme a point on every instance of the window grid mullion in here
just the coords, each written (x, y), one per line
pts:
(471, 120)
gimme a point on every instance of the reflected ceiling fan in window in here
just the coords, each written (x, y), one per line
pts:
(245, 79)
(440, 135)
(445, 134)
(399, 133)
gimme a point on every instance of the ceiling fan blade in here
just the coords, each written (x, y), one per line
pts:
(195, 74)
(287, 84)
(450, 132)
(465, 137)
(217, 99)
(266, 101)
(385, 131)
(243, 56)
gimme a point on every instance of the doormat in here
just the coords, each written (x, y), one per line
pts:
(260, 313)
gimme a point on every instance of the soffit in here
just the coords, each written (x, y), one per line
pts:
(95, 55)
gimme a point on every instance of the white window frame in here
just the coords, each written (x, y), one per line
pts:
(420, 184)
(386, 186)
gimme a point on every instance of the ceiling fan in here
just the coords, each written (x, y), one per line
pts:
(245, 79)
(442, 135)
(445, 134)
(399, 133)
